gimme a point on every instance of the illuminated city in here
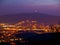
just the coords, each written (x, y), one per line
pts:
(29, 22)
(29, 25)
(9, 30)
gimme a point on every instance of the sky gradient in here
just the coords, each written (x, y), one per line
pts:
(51, 7)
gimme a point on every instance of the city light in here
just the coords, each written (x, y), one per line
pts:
(9, 30)
(28, 25)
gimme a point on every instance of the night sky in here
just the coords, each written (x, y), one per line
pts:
(51, 7)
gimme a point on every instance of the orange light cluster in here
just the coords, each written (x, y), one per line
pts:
(29, 25)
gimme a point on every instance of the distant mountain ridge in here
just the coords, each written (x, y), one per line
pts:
(42, 18)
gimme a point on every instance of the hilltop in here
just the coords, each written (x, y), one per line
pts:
(42, 18)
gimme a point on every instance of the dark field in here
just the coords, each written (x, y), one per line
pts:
(37, 39)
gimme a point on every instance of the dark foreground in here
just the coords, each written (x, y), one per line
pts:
(37, 39)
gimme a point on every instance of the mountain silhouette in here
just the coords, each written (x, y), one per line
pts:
(41, 18)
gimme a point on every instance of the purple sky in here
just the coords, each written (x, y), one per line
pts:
(51, 7)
